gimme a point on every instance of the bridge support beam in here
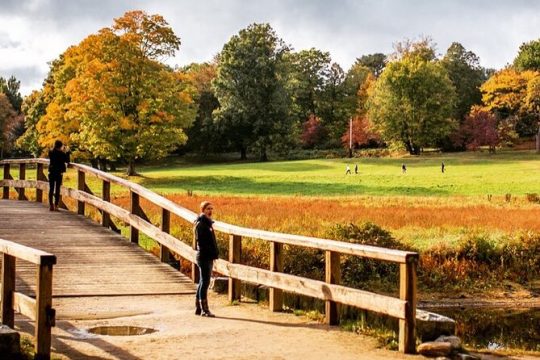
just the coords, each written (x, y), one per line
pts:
(235, 257)
(407, 292)
(106, 196)
(81, 186)
(333, 276)
(7, 176)
(164, 252)
(22, 176)
(276, 265)
(8, 287)
(40, 176)
(134, 209)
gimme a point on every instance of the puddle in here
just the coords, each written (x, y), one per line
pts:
(121, 330)
(496, 329)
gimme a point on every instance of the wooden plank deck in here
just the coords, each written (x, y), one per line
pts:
(91, 260)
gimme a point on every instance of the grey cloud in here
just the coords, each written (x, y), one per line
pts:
(347, 28)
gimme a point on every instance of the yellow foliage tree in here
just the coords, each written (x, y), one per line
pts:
(113, 97)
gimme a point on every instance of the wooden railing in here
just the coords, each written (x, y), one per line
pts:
(330, 290)
(39, 309)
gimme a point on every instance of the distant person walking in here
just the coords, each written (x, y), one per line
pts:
(442, 167)
(347, 170)
(403, 168)
(58, 159)
(356, 168)
(207, 252)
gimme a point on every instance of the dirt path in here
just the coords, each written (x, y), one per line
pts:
(246, 331)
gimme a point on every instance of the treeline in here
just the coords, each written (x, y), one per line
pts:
(113, 99)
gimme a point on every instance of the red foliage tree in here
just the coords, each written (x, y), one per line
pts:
(479, 128)
(313, 132)
(362, 133)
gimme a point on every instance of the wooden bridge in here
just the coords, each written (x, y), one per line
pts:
(90, 259)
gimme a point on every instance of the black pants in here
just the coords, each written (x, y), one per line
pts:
(205, 271)
(55, 181)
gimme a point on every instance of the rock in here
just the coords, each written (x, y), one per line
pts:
(453, 340)
(430, 325)
(435, 349)
(10, 342)
(220, 284)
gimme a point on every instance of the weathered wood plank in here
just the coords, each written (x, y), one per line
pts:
(8, 287)
(25, 305)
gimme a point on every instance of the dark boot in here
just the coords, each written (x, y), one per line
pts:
(198, 309)
(205, 310)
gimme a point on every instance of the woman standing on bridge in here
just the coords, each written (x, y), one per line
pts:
(207, 252)
(58, 158)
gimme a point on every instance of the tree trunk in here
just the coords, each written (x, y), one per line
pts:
(102, 163)
(538, 140)
(264, 156)
(94, 163)
(131, 168)
(243, 153)
(112, 165)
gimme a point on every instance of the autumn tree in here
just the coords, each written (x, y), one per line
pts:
(505, 94)
(479, 128)
(313, 132)
(528, 57)
(33, 108)
(8, 118)
(113, 97)
(363, 134)
(532, 105)
(413, 100)
(251, 89)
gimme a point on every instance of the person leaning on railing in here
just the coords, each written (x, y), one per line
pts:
(207, 252)
(59, 158)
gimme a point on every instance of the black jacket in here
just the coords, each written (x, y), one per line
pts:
(206, 239)
(58, 161)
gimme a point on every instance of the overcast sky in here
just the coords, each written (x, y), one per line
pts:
(34, 32)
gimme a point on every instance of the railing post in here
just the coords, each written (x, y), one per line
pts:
(40, 176)
(235, 257)
(7, 176)
(195, 276)
(407, 292)
(106, 196)
(333, 276)
(81, 186)
(22, 176)
(276, 265)
(44, 321)
(164, 253)
(134, 208)
(8, 287)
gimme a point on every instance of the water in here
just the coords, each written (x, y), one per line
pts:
(120, 330)
(496, 329)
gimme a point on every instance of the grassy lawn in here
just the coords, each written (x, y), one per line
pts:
(513, 172)
(516, 173)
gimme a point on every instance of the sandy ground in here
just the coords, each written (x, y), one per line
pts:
(245, 331)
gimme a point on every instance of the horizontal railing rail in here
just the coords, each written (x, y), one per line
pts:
(39, 309)
(330, 290)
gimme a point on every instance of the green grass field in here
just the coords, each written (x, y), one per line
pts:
(514, 172)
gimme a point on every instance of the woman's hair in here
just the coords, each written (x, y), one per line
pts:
(204, 205)
(58, 144)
